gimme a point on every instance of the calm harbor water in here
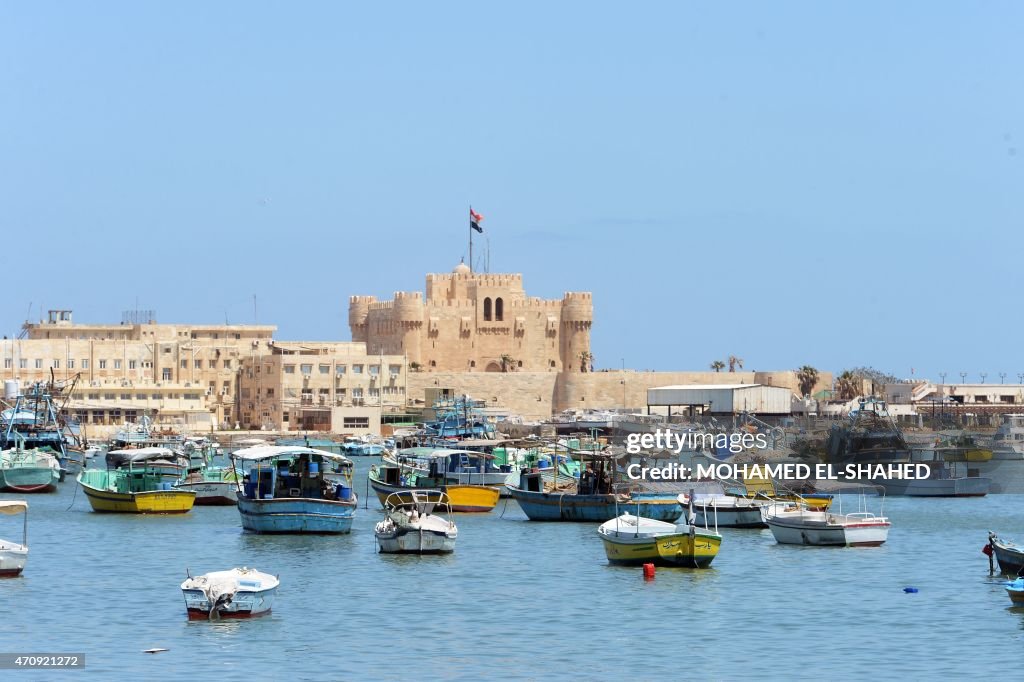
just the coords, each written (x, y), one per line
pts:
(516, 600)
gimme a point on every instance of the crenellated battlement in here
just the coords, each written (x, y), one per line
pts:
(406, 295)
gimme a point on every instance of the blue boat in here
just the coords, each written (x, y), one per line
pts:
(295, 489)
(596, 497)
(35, 421)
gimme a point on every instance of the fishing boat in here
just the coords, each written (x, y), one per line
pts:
(295, 489)
(29, 471)
(35, 421)
(237, 593)
(12, 554)
(386, 479)
(458, 467)
(213, 486)
(134, 485)
(1009, 555)
(795, 524)
(595, 497)
(631, 540)
(166, 464)
(417, 522)
(1015, 588)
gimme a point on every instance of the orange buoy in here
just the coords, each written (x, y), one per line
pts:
(648, 571)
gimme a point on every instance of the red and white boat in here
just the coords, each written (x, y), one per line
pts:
(796, 525)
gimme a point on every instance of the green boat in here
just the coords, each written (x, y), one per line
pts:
(29, 471)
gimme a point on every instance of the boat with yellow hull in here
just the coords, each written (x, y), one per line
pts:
(634, 540)
(387, 480)
(133, 492)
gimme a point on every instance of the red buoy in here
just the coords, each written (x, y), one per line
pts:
(648, 571)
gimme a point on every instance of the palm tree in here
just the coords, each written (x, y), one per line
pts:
(586, 361)
(848, 385)
(718, 365)
(735, 362)
(807, 376)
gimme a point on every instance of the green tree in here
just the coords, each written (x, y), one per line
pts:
(735, 362)
(848, 385)
(718, 365)
(807, 377)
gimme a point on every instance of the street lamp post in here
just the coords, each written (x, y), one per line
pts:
(983, 375)
(1002, 376)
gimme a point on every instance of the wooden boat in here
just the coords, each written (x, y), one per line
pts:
(1015, 588)
(417, 522)
(1009, 555)
(237, 593)
(597, 496)
(29, 471)
(795, 524)
(631, 540)
(295, 489)
(13, 555)
(213, 485)
(133, 491)
(459, 467)
(389, 479)
(167, 464)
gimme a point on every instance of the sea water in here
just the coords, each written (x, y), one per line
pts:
(517, 599)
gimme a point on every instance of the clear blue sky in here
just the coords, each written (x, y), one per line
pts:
(823, 183)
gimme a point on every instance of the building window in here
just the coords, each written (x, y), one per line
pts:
(499, 309)
(357, 393)
(199, 364)
(270, 392)
(109, 396)
(227, 364)
(184, 364)
(117, 364)
(167, 374)
(356, 422)
(85, 364)
(289, 369)
(487, 309)
(71, 363)
(39, 364)
(340, 370)
(103, 364)
(131, 364)
(325, 369)
(8, 363)
(306, 369)
(357, 369)
(374, 370)
(56, 364)
(395, 369)
(374, 392)
(213, 364)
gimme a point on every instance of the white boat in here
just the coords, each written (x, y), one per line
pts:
(417, 522)
(729, 511)
(237, 593)
(13, 555)
(795, 524)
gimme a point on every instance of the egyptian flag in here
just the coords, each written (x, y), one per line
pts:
(474, 220)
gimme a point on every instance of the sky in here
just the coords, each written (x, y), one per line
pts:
(833, 184)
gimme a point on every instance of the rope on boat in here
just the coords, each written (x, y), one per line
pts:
(73, 495)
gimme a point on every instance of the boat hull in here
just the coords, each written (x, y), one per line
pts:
(545, 506)
(213, 493)
(463, 498)
(729, 515)
(416, 541)
(148, 502)
(1010, 557)
(243, 604)
(855, 534)
(13, 558)
(296, 515)
(29, 479)
(678, 549)
(937, 487)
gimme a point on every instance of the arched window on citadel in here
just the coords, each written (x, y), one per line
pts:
(487, 309)
(499, 309)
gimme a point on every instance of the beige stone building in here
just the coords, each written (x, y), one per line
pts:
(183, 375)
(321, 386)
(472, 322)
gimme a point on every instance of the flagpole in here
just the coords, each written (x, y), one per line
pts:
(471, 238)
